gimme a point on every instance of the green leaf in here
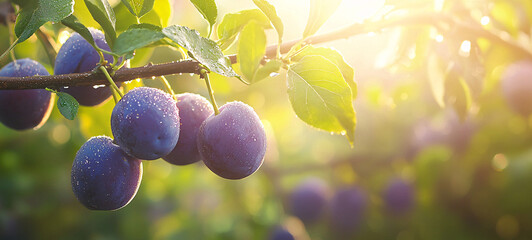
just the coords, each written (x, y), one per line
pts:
(206, 51)
(320, 11)
(103, 13)
(320, 96)
(33, 14)
(67, 105)
(334, 56)
(232, 24)
(208, 10)
(251, 49)
(265, 71)
(270, 12)
(137, 36)
(73, 23)
(138, 7)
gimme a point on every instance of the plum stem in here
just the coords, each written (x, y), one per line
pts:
(205, 76)
(113, 84)
(168, 87)
(108, 52)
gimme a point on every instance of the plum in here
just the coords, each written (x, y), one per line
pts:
(76, 55)
(145, 123)
(348, 209)
(398, 196)
(103, 176)
(24, 109)
(308, 200)
(280, 233)
(193, 110)
(232, 144)
(517, 87)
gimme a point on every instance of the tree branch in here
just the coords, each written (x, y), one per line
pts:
(191, 66)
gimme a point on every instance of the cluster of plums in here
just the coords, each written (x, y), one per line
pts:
(345, 211)
(147, 124)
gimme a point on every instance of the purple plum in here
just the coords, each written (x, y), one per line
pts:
(308, 200)
(348, 207)
(103, 176)
(399, 196)
(232, 144)
(76, 55)
(145, 123)
(193, 110)
(24, 109)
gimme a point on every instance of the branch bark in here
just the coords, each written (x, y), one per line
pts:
(191, 66)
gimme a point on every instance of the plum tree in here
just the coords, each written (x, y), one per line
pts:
(280, 233)
(76, 56)
(348, 208)
(398, 196)
(146, 123)
(24, 109)
(193, 110)
(308, 200)
(517, 87)
(103, 176)
(232, 144)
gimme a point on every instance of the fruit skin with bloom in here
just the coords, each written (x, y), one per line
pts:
(516, 83)
(193, 110)
(24, 109)
(309, 200)
(232, 144)
(146, 123)
(76, 55)
(103, 176)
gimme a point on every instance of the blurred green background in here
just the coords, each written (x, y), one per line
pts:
(470, 161)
